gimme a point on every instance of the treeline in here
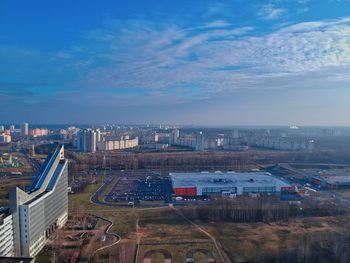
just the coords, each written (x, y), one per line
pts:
(313, 247)
(174, 161)
(259, 209)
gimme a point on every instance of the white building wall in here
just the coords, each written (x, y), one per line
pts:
(6, 237)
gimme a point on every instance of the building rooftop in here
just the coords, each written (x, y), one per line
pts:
(219, 179)
(40, 177)
(337, 179)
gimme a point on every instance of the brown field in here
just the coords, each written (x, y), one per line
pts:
(243, 242)
(6, 183)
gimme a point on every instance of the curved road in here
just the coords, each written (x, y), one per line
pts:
(107, 232)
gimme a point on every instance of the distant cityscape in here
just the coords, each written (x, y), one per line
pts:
(52, 209)
(158, 137)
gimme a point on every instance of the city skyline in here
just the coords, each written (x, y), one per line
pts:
(207, 63)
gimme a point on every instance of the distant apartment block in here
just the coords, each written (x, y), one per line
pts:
(87, 140)
(24, 129)
(174, 137)
(5, 138)
(286, 143)
(123, 143)
(39, 132)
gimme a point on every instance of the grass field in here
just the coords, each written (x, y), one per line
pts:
(164, 228)
(178, 252)
(243, 242)
(343, 192)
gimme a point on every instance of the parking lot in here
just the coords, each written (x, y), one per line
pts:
(148, 189)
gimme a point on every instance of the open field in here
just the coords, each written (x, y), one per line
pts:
(164, 228)
(244, 242)
(178, 252)
(345, 193)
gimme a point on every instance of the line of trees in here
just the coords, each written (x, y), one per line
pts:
(260, 209)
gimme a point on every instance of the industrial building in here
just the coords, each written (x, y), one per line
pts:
(36, 213)
(207, 183)
(332, 182)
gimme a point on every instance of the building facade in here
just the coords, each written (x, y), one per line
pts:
(6, 235)
(87, 141)
(25, 129)
(206, 183)
(41, 210)
(123, 143)
(5, 138)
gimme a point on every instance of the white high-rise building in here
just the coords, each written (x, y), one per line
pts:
(87, 141)
(98, 135)
(174, 136)
(93, 141)
(38, 212)
(200, 141)
(24, 129)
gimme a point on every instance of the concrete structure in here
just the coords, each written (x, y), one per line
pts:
(5, 138)
(6, 235)
(200, 141)
(332, 182)
(123, 143)
(286, 143)
(87, 141)
(24, 129)
(39, 132)
(43, 208)
(98, 135)
(174, 137)
(187, 140)
(206, 183)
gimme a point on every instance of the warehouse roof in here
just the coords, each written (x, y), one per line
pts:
(229, 179)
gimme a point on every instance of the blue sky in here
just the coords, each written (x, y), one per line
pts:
(236, 62)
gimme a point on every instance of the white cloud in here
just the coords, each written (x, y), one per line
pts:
(203, 63)
(270, 12)
(175, 65)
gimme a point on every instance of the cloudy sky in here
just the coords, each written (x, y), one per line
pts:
(234, 62)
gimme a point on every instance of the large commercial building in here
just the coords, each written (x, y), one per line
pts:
(206, 183)
(36, 213)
